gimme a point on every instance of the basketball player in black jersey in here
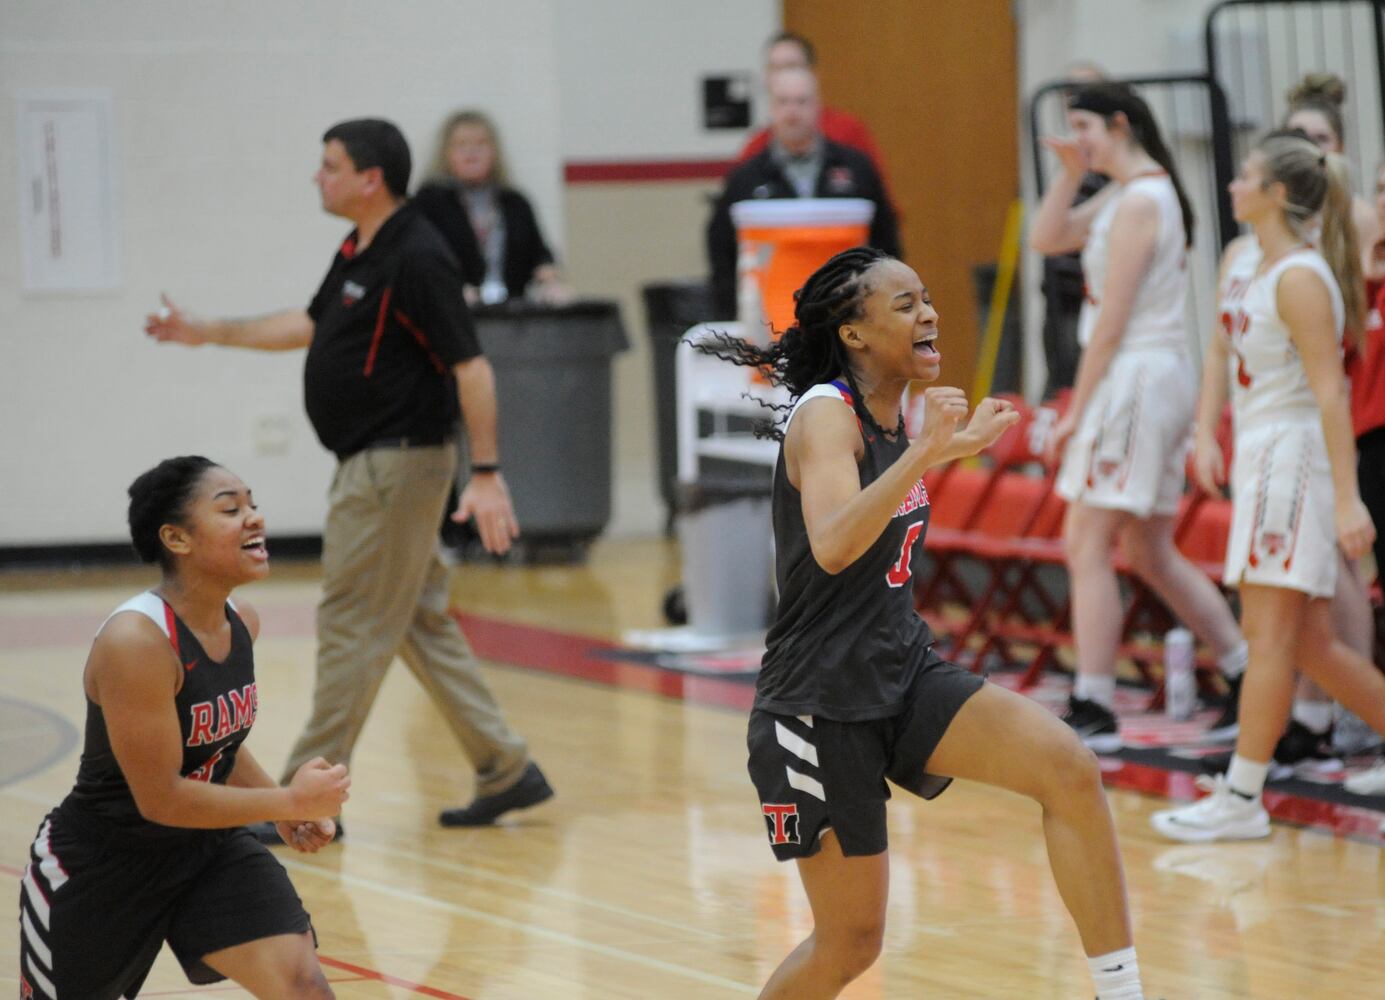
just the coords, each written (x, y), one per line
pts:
(150, 845)
(850, 691)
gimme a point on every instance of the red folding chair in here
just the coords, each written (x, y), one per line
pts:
(1146, 614)
(1015, 549)
(959, 498)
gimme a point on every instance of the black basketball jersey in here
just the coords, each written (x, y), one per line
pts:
(216, 707)
(845, 647)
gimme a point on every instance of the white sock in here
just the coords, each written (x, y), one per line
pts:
(1246, 777)
(1100, 688)
(1116, 975)
(1315, 715)
(1233, 663)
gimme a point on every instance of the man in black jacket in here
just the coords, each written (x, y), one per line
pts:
(798, 163)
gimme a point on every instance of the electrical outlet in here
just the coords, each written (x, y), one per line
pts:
(271, 434)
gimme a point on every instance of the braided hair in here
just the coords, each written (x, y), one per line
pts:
(811, 352)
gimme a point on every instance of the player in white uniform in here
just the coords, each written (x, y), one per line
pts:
(1314, 106)
(1294, 478)
(1124, 437)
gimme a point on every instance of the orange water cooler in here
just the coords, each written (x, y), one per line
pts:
(781, 242)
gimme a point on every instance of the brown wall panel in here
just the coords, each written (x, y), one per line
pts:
(936, 81)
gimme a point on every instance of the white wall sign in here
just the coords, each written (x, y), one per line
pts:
(67, 191)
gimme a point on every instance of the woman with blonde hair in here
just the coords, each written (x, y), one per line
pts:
(490, 226)
(1286, 306)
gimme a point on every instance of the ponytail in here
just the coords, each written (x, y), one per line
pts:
(1319, 184)
(1339, 246)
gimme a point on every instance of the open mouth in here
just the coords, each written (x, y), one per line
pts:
(924, 346)
(256, 547)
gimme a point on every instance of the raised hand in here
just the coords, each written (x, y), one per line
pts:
(170, 325)
(989, 420)
(1069, 153)
(944, 408)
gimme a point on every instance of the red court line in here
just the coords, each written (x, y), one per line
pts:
(384, 977)
(617, 171)
(333, 963)
(569, 655)
(578, 656)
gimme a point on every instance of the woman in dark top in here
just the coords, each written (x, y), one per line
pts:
(150, 845)
(851, 691)
(490, 226)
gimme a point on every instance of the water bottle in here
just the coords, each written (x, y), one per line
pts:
(493, 291)
(750, 310)
(1180, 683)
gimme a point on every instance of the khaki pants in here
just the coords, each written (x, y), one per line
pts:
(384, 593)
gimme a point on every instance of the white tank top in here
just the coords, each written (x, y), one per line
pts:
(1268, 381)
(1158, 314)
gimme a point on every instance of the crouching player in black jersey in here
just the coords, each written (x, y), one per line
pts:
(850, 691)
(150, 845)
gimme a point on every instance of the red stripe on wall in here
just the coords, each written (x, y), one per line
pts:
(617, 171)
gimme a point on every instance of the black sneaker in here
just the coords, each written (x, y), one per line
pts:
(1228, 724)
(1095, 724)
(268, 834)
(1299, 744)
(531, 789)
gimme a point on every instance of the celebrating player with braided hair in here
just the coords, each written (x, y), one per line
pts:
(851, 692)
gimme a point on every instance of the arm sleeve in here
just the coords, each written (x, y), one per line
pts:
(429, 304)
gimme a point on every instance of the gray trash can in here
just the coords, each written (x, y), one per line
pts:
(671, 307)
(728, 555)
(553, 389)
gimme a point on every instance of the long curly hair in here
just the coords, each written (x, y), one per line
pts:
(811, 351)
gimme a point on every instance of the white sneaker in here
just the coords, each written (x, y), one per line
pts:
(1222, 815)
(1370, 782)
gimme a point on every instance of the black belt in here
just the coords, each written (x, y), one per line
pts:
(407, 441)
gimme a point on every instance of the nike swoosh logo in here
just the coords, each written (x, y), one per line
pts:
(188, 666)
(1115, 968)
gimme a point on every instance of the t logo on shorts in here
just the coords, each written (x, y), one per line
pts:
(26, 988)
(782, 821)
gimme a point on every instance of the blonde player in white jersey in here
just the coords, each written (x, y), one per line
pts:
(1124, 437)
(1295, 493)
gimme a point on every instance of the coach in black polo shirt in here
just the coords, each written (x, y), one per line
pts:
(392, 362)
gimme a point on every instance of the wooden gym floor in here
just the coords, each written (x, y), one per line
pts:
(649, 876)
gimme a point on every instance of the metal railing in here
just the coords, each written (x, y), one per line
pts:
(1257, 49)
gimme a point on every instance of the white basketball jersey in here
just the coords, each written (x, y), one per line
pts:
(1268, 380)
(1157, 316)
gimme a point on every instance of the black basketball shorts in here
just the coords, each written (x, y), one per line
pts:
(814, 774)
(93, 917)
